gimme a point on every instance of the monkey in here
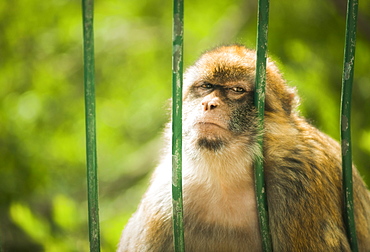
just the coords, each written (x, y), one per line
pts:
(303, 173)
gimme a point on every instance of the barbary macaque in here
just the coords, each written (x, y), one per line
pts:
(302, 170)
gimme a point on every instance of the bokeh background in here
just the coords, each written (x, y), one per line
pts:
(42, 130)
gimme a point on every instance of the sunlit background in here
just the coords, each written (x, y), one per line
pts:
(43, 203)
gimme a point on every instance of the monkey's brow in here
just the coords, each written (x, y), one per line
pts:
(229, 86)
(226, 77)
(229, 72)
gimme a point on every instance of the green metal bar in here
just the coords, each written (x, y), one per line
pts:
(347, 80)
(91, 155)
(177, 75)
(259, 100)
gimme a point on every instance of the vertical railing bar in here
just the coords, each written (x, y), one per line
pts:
(91, 155)
(259, 100)
(177, 79)
(345, 122)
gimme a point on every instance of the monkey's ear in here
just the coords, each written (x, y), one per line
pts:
(280, 101)
(290, 101)
(279, 95)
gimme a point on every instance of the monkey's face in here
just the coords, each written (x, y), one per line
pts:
(218, 102)
(217, 113)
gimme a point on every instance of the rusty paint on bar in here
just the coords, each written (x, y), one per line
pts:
(347, 80)
(91, 154)
(259, 98)
(177, 76)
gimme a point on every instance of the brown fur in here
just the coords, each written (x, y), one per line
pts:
(302, 165)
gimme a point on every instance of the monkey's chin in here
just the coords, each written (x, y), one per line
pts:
(211, 144)
(211, 136)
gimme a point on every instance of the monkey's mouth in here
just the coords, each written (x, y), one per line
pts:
(211, 129)
(210, 125)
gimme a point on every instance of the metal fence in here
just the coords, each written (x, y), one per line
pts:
(345, 122)
(91, 155)
(177, 74)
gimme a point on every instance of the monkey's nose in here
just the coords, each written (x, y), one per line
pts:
(209, 104)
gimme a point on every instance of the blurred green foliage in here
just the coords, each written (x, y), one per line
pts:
(42, 131)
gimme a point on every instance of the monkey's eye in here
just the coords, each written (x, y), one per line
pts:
(207, 85)
(238, 89)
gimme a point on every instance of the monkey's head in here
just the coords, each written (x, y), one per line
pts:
(219, 98)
